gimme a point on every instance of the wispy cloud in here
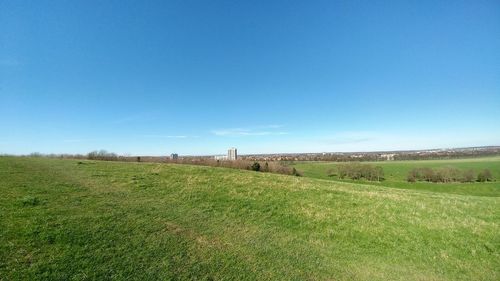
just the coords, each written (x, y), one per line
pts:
(266, 130)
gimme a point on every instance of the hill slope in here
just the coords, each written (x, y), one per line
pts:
(64, 219)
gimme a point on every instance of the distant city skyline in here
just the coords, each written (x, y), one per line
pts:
(198, 77)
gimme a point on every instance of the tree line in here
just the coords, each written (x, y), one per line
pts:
(448, 174)
(276, 167)
(266, 167)
(358, 171)
(102, 155)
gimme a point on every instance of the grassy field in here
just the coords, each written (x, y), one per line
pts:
(71, 220)
(396, 173)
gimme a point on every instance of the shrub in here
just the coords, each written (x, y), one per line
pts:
(255, 166)
(469, 176)
(356, 171)
(296, 173)
(447, 174)
(265, 168)
(411, 177)
(484, 175)
(422, 174)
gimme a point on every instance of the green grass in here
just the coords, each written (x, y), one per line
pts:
(397, 171)
(61, 220)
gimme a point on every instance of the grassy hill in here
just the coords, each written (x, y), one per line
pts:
(72, 220)
(396, 174)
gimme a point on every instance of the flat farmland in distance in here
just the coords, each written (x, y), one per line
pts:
(396, 174)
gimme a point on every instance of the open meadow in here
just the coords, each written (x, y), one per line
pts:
(396, 172)
(93, 220)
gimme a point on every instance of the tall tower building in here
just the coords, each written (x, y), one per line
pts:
(232, 154)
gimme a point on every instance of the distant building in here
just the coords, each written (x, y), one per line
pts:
(387, 157)
(174, 156)
(232, 154)
(220, 157)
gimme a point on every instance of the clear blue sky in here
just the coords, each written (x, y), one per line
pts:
(197, 77)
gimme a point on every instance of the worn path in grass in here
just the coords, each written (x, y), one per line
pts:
(396, 173)
(65, 220)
